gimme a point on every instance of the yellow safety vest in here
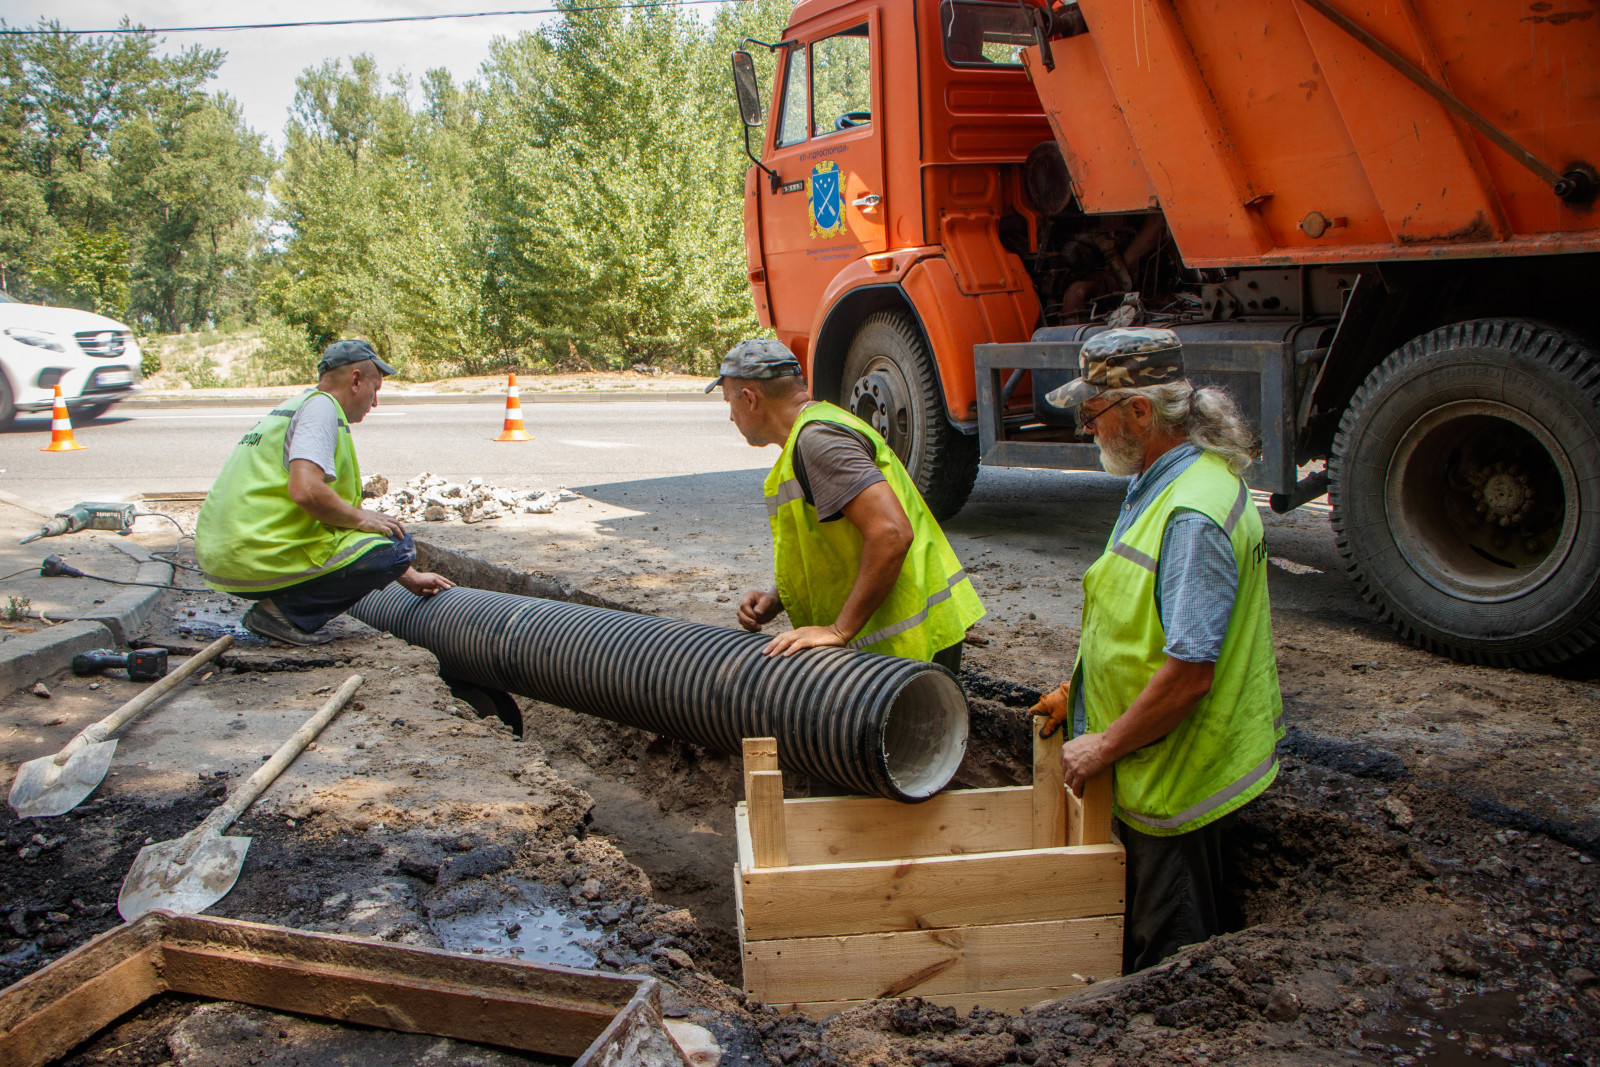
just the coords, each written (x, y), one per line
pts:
(816, 563)
(251, 538)
(1224, 754)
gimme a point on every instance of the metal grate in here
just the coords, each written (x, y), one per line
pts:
(103, 343)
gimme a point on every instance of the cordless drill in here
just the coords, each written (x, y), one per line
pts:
(143, 664)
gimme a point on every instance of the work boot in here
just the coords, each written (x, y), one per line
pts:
(266, 619)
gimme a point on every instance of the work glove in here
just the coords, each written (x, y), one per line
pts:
(1055, 708)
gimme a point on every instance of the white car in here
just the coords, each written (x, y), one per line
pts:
(94, 359)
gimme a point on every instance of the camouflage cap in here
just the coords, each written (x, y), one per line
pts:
(757, 359)
(1128, 358)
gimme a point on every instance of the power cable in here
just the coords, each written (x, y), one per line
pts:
(56, 567)
(643, 4)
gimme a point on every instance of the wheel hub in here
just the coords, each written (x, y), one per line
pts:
(1505, 496)
(881, 399)
(1477, 496)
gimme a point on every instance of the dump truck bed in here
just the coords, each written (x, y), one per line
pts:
(1268, 133)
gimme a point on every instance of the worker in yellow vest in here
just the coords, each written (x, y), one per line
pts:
(858, 559)
(1176, 683)
(283, 525)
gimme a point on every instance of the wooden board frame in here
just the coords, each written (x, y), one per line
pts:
(605, 1020)
(999, 898)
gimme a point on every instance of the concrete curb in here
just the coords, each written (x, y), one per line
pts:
(391, 399)
(28, 658)
(124, 614)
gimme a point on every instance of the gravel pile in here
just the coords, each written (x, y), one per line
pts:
(430, 498)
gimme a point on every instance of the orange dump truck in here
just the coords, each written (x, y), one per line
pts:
(1375, 223)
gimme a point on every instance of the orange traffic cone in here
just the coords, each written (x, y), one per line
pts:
(60, 428)
(513, 430)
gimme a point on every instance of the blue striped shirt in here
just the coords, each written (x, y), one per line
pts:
(1196, 576)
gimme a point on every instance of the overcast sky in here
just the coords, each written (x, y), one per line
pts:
(262, 65)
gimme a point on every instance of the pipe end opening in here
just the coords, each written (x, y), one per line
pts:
(925, 734)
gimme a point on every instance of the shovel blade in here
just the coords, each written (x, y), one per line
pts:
(158, 880)
(43, 788)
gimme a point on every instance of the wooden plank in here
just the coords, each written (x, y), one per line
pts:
(1049, 791)
(741, 835)
(760, 754)
(485, 973)
(768, 840)
(1089, 817)
(924, 962)
(64, 1021)
(862, 829)
(387, 1000)
(934, 891)
(1007, 1000)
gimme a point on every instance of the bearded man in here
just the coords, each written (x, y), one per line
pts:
(1176, 683)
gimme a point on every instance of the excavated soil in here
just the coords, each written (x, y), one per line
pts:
(1413, 895)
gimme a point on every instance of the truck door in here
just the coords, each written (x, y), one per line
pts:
(829, 208)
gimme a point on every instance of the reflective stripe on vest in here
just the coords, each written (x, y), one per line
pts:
(345, 555)
(916, 620)
(1222, 755)
(251, 537)
(816, 563)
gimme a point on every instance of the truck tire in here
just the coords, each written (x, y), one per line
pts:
(1466, 492)
(890, 383)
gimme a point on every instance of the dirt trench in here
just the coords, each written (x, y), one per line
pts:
(1391, 916)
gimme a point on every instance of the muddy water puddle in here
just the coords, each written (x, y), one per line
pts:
(520, 919)
(212, 619)
(1477, 1027)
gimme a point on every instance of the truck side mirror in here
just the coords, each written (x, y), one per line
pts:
(745, 88)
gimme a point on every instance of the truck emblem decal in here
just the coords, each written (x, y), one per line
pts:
(827, 219)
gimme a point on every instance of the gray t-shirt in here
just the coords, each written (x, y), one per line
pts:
(833, 464)
(314, 435)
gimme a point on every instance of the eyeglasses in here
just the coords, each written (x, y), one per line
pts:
(1087, 425)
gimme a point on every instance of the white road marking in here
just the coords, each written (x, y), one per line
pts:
(252, 415)
(597, 444)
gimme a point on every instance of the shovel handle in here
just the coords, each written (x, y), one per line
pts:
(99, 731)
(222, 818)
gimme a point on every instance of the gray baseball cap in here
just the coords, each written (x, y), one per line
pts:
(757, 359)
(341, 352)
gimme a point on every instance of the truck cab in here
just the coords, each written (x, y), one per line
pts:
(1376, 227)
(889, 167)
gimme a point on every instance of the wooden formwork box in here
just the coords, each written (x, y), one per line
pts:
(998, 898)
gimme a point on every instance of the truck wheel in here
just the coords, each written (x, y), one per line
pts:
(1466, 492)
(890, 383)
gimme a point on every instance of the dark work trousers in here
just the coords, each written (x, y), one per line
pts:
(310, 604)
(949, 658)
(1179, 892)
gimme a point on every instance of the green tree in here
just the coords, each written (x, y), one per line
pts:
(377, 199)
(611, 204)
(189, 181)
(108, 143)
(90, 270)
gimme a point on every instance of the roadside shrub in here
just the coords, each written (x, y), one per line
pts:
(286, 356)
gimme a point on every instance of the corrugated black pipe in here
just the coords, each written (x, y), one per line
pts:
(873, 724)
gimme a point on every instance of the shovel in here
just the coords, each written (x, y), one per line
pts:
(198, 869)
(54, 785)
